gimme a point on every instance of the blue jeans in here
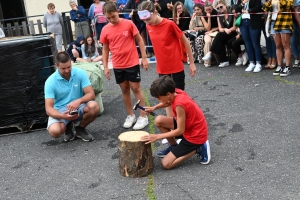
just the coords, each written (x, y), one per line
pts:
(99, 27)
(252, 40)
(271, 47)
(294, 40)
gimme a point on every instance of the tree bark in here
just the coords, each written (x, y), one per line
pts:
(135, 157)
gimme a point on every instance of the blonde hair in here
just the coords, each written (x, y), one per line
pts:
(147, 5)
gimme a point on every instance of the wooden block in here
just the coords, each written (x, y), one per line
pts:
(135, 157)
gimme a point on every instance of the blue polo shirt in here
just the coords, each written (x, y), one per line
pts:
(64, 92)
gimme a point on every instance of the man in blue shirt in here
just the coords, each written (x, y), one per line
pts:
(67, 90)
(78, 15)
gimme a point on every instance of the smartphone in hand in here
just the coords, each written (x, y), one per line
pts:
(73, 112)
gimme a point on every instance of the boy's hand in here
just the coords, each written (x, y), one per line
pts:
(107, 73)
(145, 64)
(149, 138)
(192, 69)
(148, 110)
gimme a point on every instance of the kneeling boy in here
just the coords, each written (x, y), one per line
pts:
(188, 121)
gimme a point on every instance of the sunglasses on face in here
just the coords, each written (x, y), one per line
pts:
(220, 7)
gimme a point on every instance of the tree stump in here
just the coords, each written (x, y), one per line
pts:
(135, 157)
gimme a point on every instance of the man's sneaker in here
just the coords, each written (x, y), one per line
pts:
(250, 67)
(204, 153)
(277, 71)
(69, 133)
(257, 67)
(245, 58)
(239, 62)
(83, 134)
(224, 64)
(207, 56)
(164, 152)
(296, 64)
(141, 123)
(285, 72)
(129, 121)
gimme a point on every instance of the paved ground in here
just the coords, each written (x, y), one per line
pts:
(253, 123)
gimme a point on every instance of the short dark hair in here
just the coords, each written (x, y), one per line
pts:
(109, 7)
(62, 57)
(199, 6)
(161, 86)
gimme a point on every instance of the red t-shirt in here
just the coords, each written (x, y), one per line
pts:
(165, 38)
(120, 38)
(196, 130)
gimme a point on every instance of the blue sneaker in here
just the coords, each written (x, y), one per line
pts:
(164, 152)
(204, 153)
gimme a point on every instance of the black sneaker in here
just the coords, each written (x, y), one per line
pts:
(69, 133)
(277, 71)
(83, 134)
(285, 72)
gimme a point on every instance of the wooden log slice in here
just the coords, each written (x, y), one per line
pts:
(135, 157)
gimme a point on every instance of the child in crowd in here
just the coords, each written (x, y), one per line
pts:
(74, 49)
(89, 51)
(119, 36)
(188, 121)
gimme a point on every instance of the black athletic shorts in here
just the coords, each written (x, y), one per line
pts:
(184, 148)
(131, 74)
(178, 78)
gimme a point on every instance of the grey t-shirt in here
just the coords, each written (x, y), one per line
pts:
(53, 22)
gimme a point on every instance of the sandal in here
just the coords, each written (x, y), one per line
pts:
(268, 66)
(272, 66)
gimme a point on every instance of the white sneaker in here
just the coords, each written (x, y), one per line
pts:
(141, 123)
(207, 56)
(296, 64)
(129, 121)
(239, 62)
(224, 64)
(245, 58)
(257, 68)
(250, 67)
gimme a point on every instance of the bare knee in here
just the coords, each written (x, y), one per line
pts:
(158, 121)
(166, 165)
(56, 130)
(92, 108)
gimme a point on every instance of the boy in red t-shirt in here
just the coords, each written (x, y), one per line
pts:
(118, 37)
(188, 121)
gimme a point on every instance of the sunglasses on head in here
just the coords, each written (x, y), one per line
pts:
(220, 7)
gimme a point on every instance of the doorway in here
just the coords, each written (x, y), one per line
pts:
(12, 10)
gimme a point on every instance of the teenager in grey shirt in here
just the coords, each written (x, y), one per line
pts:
(53, 23)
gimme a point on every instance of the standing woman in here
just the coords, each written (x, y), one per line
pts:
(181, 17)
(250, 28)
(166, 38)
(78, 16)
(53, 23)
(281, 29)
(97, 9)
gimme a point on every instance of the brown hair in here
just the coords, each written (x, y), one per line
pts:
(86, 46)
(161, 86)
(147, 5)
(184, 10)
(50, 5)
(62, 57)
(109, 7)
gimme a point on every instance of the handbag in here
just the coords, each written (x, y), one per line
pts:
(238, 21)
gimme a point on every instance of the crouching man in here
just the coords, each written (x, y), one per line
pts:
(69, 98)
